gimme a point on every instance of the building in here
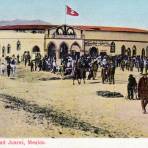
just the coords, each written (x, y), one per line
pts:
(54, 40)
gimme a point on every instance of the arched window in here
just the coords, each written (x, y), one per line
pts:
(3, 51)
(18, 45)
(123, 50)
(35, 49)
(112, 47)
(134, 50)
(143, 52)
(8, 48)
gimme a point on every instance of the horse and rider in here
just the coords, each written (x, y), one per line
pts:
(108, 73)
(79, 71)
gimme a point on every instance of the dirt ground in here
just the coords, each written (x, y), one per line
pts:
(37, 105)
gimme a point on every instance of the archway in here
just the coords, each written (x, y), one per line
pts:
(112, 47)
(129, 52)
(143, 52)
(51, 50)
(35, 49)
(63, 50)
(134, 51)
(8, 49)
(93, 52)
(75, 50)
(36, 52)
(123, 50)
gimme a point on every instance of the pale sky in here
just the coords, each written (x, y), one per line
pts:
(126, 13)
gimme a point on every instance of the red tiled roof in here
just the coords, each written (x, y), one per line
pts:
(112, 29)
(88, 28)
(26, 27)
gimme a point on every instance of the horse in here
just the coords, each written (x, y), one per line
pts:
(79, 71)
(111, 74)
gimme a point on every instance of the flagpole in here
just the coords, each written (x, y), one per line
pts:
(65, 11)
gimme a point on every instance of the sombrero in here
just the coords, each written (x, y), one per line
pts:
(130, 75)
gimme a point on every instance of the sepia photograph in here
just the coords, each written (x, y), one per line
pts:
(73, 69)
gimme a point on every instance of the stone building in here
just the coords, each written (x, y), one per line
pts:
(53, 40)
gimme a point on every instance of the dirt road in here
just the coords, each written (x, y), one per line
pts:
(67, 110)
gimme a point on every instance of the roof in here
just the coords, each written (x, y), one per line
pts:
(112, 29)
(26, 27)
(82, 27)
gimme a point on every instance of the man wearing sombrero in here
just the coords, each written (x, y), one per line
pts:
(143, 91)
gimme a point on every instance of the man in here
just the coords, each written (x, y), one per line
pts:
(8, 69)
(3, 68)
(141, 66)
(143, 91)
(94, 69)
(18, 58)
(132, 84)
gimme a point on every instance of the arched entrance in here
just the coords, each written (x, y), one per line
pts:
(143, 52)
(134, 51)
(93, 52)
(129, 52)
(123, 50)
(51, 50)
(75, 50)
(36, 52)
(63, 50)
(36, 49)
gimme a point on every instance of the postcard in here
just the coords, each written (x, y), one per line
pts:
(73, 73)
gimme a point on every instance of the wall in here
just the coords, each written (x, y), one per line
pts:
(140, 40)
(27, 40)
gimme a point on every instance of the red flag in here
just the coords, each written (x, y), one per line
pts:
(71, 12)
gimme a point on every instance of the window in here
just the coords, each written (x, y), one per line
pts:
(8, 48)
(134, 50)
(143, 52)
(123, 50)
(3, 51)
(112, 47)
(18, 46)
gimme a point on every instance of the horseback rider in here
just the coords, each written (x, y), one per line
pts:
(94, 69)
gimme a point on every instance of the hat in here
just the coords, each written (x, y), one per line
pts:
(130, 75)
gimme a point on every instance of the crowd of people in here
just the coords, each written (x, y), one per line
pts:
(8, 66)
(86, 67)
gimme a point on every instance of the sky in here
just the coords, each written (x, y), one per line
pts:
(125, 13)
